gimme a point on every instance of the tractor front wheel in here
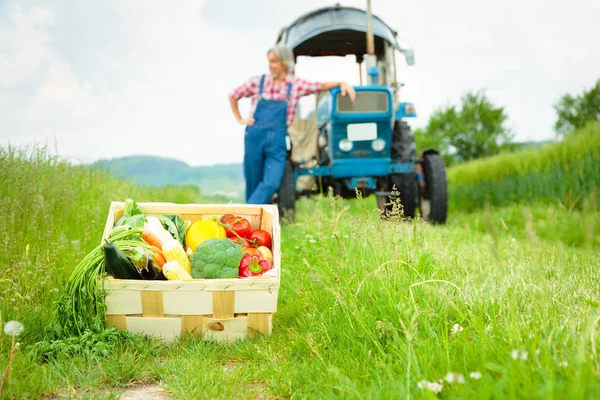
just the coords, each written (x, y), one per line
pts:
(408, 187)
(405, 188)
(434, 197)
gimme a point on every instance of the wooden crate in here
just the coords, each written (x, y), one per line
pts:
(219, 309)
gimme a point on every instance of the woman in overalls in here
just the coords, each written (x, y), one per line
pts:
(274, 102)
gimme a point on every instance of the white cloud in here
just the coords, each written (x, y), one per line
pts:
(26, 43)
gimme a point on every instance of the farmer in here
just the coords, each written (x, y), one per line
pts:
(274, 101)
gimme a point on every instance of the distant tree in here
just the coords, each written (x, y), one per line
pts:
(475, 130)
(574, 112)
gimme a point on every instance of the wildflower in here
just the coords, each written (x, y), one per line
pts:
(516, 354)
(435, 387)
(13, 328)
(312, 241)
(475, 375)
(456, 328)
(563, 364)
(452, 377)
(513, 239)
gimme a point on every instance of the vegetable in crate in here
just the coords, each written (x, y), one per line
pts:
(216, 259)
(175, 272)
(266, 253)
(118, 265)
(235, 226)
(173, 251)
(253, 266)
(259, 237)
(176, 226)
(147, 268)
(201, 231)
(132, 215)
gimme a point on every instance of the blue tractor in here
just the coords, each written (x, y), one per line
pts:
(366, 146)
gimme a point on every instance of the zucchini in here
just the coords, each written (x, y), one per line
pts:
(118, 265)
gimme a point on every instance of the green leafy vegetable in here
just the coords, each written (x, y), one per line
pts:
(132, 216)
(176, 226)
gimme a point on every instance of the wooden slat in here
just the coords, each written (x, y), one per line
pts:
(225, 329)
(152, 304)
(223, 304)
(188, 302)
(117, 321)
(266, 221)
(248, 301)
(209, 285)
(166, 328)
(192, 324)
(260, 323)
(122, 301)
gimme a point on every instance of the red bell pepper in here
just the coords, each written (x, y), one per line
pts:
(253, 266)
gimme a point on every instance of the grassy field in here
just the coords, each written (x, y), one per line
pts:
(564, 173)
(502, 303)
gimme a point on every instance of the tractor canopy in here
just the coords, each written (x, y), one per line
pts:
(339, 31)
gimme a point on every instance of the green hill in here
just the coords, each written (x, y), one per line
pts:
(223, 180)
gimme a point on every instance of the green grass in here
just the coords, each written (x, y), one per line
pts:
(366, 307)
(564, 173)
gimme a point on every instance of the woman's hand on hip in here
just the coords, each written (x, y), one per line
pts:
(246, 121)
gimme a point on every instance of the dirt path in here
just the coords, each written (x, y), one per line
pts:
(146, 392)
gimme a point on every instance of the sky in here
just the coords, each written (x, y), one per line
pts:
(110, 78)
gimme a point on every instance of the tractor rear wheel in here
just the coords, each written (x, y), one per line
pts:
(286, 198)
(434, 199)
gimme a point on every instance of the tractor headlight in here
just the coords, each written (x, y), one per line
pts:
(378, 144)
(345, 145)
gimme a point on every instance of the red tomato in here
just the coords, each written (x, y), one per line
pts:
(259, 237)
(239, 225)
(244, 242)
(252, 251)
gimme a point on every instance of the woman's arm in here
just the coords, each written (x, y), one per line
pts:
(247, 89)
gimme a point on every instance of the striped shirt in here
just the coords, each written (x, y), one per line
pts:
(277, 91)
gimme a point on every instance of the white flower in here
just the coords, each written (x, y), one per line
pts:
(452, 377)
(312, 241)
(456, 328)
(563, 364)
(13, 328)
(435, 387)
(513, 239)
(475, 375)
(516, 354)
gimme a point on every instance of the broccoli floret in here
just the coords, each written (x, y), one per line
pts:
(216, 259)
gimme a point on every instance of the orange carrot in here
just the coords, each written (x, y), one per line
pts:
(159, 257)
(150, 238)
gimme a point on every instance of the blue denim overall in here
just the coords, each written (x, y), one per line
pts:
(265, 148)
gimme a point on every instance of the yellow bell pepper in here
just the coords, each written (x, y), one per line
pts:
(201, 231)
